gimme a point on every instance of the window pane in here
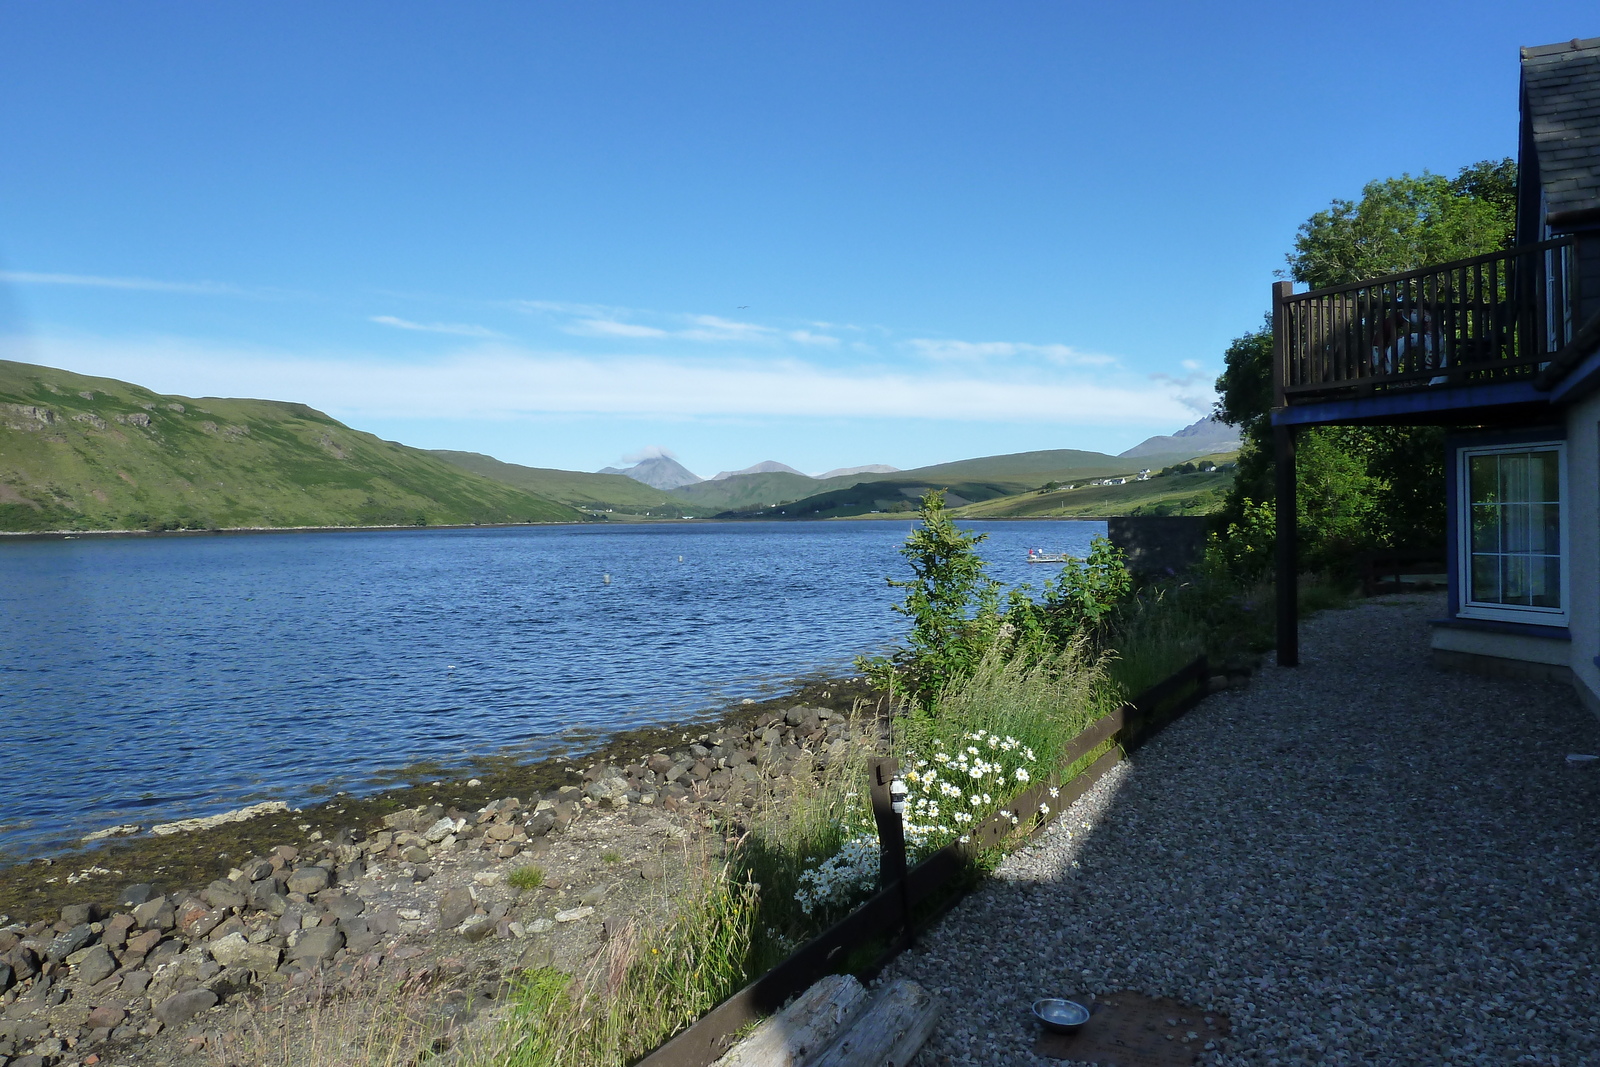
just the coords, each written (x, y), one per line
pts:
(1514, 477)
(1547, 587)
(1486, 579)
(1546, 532)
(1485, 528)
(1514, 526)
(1484, 474)
(1514, 584)
(1546, 476)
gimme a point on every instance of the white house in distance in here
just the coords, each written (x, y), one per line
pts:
(1504, 351)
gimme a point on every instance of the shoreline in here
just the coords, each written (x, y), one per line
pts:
(72, 535)
(33, 887)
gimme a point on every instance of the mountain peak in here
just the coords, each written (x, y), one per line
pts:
(658, 472)
(1207, 435)
(766, 466)
(870, 468)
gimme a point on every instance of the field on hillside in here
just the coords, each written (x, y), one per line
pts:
(1173, 494)
(82, 453)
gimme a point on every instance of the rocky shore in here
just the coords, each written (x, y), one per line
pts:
(437, 900)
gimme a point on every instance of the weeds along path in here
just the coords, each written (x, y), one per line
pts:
(1359, 860)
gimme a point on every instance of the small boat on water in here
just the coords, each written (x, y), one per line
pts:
(1039, 555)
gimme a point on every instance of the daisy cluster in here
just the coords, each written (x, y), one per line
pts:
(952, 790)
(840, 880)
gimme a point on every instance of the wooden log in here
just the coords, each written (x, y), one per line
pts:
(802, 1029)
(888, 1033)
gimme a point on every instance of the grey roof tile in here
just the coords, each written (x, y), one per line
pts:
(1561, 87)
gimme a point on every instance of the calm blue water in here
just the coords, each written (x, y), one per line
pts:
(143, 680)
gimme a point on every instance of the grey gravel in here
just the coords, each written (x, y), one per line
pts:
(1362, 860)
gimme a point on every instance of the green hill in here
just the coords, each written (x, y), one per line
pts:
(592, 492)
(739, 491)
(968, 483)
(1173, 494)
(82, 453)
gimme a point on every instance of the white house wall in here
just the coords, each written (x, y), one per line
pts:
(1583, 552)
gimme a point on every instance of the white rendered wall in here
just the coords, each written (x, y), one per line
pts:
(1583, 551)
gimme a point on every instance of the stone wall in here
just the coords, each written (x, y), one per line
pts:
(1159, 544)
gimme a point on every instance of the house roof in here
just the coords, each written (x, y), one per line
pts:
(1561, 98)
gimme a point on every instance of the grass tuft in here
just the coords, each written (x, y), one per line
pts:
(529, 877)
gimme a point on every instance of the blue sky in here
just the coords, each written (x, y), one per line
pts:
(828, 234)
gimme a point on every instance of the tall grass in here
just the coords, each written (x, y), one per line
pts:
(1044, 701)
(819, 814)
(397, 1026)
(732, 922)
(645, 986)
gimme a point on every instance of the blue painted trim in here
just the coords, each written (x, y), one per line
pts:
(1410, 402)
(1494, 626)
(1579, 383)
(1522, 435)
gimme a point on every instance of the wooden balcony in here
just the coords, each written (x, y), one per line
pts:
(1487, 320)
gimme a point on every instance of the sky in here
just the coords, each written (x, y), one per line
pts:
(828, 234)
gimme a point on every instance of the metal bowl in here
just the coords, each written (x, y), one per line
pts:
(1060, 1016)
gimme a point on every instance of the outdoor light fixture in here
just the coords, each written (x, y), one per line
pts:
(897, 796)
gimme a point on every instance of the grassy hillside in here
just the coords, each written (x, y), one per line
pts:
(1174, 494)
(592, 492)
(81, 453)
(967, 482)
(755, 490)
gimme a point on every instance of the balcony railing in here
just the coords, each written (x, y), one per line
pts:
(1491, 318)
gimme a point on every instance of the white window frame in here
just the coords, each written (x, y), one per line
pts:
(1530, 615)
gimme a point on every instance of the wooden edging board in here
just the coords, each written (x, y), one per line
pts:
(706, 1040)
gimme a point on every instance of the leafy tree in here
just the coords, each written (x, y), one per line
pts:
(1404, 223)
(1361, 487)
(952, 604)
(956, 610)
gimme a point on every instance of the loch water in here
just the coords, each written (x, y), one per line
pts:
(150, 679)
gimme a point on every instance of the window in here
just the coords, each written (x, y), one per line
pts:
(1512, 533)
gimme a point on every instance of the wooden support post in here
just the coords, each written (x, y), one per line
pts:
(1280, 342)
(1288, 549)
(891, 834)
(1287, 512)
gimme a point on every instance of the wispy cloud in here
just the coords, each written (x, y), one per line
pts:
(498, 380)
(648, 452)
(972, 351)
(458, 329)
(1195, 390)
(612, 328)
(806, 337)
(716, 328)
(148, 285)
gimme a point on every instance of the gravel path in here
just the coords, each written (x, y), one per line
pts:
(1360, 861)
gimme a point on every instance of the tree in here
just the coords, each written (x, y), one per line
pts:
(952, 604)
(1363, 487)
(1405, 223)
